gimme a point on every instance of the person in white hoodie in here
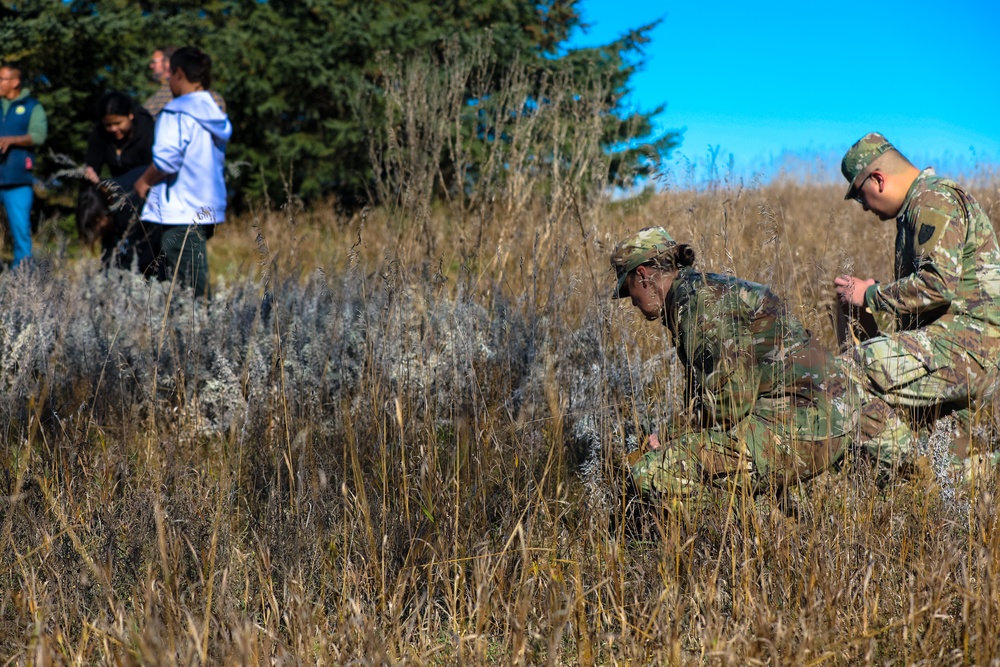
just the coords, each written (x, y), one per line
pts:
(184, 188)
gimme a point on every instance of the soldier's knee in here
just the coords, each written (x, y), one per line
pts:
(665, 472)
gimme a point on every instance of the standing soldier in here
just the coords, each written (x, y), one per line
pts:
(770, 406)
(945, 296)
(23, 125)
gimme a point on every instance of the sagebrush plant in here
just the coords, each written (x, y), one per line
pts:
(359, 453)
(396, 438)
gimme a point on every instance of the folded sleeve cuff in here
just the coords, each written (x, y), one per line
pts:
(871, 298)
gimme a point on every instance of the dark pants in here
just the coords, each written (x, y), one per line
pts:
(133, 243)
(183, 248)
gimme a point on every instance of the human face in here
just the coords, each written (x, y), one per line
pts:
(645, 292)
(859, 192)
(872, 196)
(10, 83)
(102, 226)
(159, 65)
(177, 81)
(118, 127)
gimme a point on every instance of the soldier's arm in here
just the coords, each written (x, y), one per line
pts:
(723, 366)
(939, 237)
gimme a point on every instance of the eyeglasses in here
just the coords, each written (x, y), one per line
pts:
(859, 196)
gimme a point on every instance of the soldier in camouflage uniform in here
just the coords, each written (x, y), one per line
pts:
(770, 405)
(944, 303)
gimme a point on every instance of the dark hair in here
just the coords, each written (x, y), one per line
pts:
(678, 257)
(684, 256)
(197, 65)
(91, 206)
(114, 103)
(167, 51)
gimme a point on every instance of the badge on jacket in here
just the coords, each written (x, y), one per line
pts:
(925, 234)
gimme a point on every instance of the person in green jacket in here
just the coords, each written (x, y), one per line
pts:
(767, 405)
(939, 318)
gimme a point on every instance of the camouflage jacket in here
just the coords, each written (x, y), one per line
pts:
(947, 268)
(743, 351)
(154, 103)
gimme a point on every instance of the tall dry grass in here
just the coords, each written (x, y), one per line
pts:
(390, 438)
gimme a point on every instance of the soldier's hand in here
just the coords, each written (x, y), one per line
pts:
(851, 290)
(653, 441)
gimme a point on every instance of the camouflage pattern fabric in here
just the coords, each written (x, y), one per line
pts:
(945, 303)
(646, 245)
(774, 406)
(859, 158)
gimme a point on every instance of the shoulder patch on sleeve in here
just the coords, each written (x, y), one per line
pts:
(925, 234)
(930, 224)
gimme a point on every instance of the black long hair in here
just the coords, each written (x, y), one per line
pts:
(91, 206)
(677, 257)
(114, 103)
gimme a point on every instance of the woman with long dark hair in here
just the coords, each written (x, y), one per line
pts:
(108, 210)
(767, 404)
(121, 140)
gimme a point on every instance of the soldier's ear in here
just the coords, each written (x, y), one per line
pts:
(643, 273)
(879, 179)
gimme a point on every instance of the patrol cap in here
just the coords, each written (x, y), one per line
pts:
(645, 245)
(859, 158)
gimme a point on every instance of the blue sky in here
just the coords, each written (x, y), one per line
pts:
(764, 80)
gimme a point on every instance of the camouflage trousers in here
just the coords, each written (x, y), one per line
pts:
(929, 373)
(778, 444)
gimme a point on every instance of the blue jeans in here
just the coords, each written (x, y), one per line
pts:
(17, 200)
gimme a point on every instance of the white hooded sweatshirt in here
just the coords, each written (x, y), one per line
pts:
(190, 145)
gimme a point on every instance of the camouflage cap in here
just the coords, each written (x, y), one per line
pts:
(860, 157)
(645, 245)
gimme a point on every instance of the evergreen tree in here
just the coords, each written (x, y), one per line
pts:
(304, 80)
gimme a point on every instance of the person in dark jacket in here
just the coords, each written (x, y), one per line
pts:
(108, 212)
(767, 404)
(122, 138)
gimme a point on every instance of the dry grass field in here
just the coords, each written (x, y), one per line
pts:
(393, 439)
